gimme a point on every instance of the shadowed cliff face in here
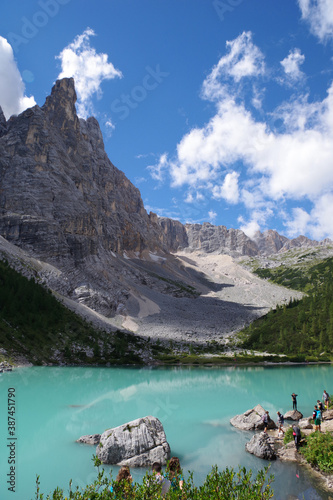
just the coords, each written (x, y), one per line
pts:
(61, 197)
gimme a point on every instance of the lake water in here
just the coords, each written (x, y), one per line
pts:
(55, 406)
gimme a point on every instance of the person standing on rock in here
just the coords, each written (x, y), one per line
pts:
(266, 418)
(326, 399)
(294, 396)
(317, 421)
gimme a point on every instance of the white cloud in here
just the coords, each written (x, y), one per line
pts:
(229, 189)
(89, 69)
(158, 171)
(244, 59)
(291, 64)
(299, 223)
(249, 228)
(319, 15)
(212, 216)
(12, 89)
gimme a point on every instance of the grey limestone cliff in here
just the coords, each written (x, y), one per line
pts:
(61, 197)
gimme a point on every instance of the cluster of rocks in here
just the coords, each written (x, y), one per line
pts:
(5, 367)
(138, 443)
(269, 445)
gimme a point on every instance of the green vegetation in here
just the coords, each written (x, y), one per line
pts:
(306, 278)
(318, 451)
(35, 324)
(225, 485)
(304, 328)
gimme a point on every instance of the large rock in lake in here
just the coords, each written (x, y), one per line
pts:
(139, 443)
(251, 420)
(261, 446)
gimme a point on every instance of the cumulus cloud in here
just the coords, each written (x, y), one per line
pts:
(319, 15)
(12, 89)
(238, 158)
(291, 64)
(229, 189)
(88, 68)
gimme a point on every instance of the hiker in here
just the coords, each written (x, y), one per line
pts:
(174, 473)
(294, 396)
(280, 423)
(297, 435)
(160, 479)
(317, 421)
(320, 405)
(266, 418)
(123, 480)
(314, 413)
(326, 399)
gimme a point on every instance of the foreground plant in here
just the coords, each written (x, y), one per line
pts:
(225, 485)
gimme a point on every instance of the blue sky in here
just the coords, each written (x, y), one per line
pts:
(217, 110)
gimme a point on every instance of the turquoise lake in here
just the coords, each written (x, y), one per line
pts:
(57, 405)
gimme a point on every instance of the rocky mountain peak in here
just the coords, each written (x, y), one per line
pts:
(60, 105)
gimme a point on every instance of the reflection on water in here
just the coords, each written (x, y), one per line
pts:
(55, 406)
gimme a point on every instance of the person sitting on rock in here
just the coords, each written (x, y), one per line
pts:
(297, 435)
(160, 479)
(280, 423)
(174, 473)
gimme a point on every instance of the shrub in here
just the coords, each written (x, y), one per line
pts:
(225, 485)
(319, 451)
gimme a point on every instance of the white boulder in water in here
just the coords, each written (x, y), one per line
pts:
(138, 443)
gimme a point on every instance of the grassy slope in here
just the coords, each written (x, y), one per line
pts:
(303, 328)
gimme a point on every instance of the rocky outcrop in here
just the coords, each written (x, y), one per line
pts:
(251, 420)
(89, 439)
(262, 446)
(173, 234)
(305, 423)
(219, 239)
(293, 415)
(139, 443)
